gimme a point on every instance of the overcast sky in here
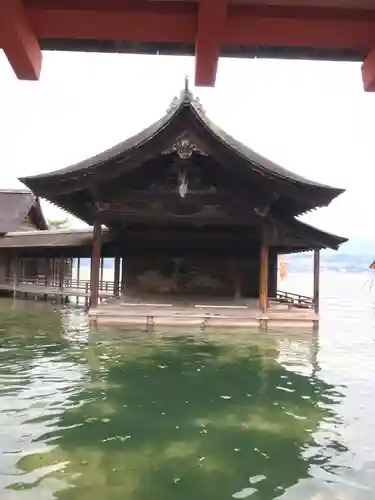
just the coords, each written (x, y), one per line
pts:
(311, 117)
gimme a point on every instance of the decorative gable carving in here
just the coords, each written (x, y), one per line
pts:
(184, 147)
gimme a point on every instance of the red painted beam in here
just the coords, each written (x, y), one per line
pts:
(243, 25)
(207, 24)
(18, 40)
(210, 31)
(299, 28)
(128, 25)
(368, 72)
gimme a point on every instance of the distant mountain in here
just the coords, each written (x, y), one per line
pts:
(358, 247)
(354, 256)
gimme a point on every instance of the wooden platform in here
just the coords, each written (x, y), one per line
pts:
(150, 312)
(153, 311)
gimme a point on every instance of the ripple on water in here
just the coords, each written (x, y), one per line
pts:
(107, 415)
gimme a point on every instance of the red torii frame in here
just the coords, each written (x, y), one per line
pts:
(207, 23)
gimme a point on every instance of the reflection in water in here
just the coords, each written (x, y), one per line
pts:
(89, 415)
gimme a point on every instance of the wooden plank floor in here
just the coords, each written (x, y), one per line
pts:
(202, 312)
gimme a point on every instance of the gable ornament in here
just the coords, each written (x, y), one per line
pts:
(184, 148)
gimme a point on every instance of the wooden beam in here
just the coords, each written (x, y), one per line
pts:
(19, 41)
(368, 72)
(210, 30)
(95, 265)
(263, 277)
(316, 279)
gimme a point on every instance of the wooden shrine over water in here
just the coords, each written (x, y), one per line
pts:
(197, 218)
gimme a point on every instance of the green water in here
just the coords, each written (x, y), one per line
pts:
(108, 415)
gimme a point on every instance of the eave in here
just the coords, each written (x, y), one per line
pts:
(306, 238)
(310, 237)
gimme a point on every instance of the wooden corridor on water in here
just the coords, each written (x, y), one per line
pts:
(68, 288)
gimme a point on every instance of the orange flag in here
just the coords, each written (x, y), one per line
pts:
(282, 270)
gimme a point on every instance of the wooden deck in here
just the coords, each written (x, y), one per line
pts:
(200, 313)
(287, 310)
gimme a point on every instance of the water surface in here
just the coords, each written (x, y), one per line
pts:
(108, 415)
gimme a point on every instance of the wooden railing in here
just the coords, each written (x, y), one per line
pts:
(287, 298)
(104, 286)
(294, 300)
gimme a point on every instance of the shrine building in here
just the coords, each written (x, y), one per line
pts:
(188, 213)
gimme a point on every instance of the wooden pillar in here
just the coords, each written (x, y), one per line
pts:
(101, 272)
(53, 271)
(316, 279)
(16, 269)
(78, 275)
(68, 271)
(116, 278)
(48, 271)
(95, 264)
(61, 272)
(272, 276)
(8, 271)
(21, 268)
(78, 270)
(263, 277)
(123, 275)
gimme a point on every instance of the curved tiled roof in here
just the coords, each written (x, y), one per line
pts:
(186, 99)
(15, 206)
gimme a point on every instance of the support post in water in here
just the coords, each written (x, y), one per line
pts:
(316, 279)
(95, 264)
